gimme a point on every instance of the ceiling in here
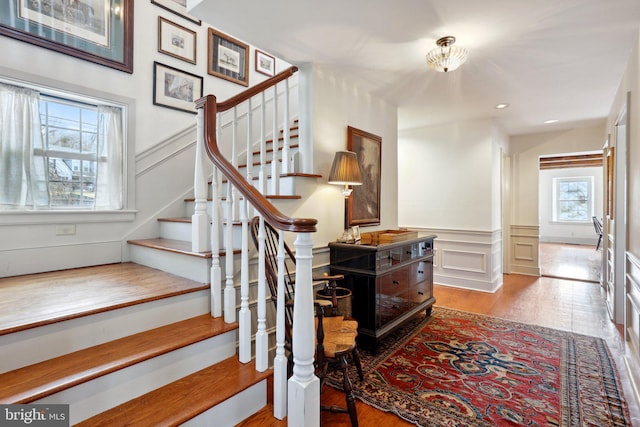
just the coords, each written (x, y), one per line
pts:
(548, 59)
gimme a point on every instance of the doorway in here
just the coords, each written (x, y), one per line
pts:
(570, 194)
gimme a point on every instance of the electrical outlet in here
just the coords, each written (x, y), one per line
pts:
(65, 230)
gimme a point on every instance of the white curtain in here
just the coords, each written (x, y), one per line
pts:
(24, 176)
(110, 159)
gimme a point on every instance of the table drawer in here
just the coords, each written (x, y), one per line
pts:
(394, 283)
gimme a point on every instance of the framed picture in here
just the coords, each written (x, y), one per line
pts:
(364, 202)
(176, 40)
(228, 58)
(179, 7)
(99, 31)
(173, 88)
(265, 64)
(355, 230)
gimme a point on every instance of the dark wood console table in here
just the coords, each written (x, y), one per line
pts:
(389, 282)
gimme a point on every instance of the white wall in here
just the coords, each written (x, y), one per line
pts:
(566, 232)
(445, 176)
(449, 184)
(526, 151)
(336, 104)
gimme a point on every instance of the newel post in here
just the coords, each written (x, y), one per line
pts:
(304, 386)
(200, 220)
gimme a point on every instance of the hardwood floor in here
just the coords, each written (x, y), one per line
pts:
(569, 305)
(567, 261)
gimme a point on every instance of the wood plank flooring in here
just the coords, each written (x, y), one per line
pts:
(567, 261)
(63, 295)
(556, 303)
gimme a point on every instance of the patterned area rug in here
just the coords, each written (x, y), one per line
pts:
(463, 369)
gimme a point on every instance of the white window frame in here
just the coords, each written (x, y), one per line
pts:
(556, 198)
(82, 94)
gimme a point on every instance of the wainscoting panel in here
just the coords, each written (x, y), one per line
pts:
(470, 259)
(525, 242)
(632, 320)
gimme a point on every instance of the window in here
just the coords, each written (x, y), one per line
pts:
(59, 151)
(573, 199)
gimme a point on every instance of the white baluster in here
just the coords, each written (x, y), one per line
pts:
(304, 386)
(263, 149)
(244, 317)
(275, 175)
(200, 219)
(216, 272)
(286, 160)
(280, 361)
(229, 290)
(262, 342)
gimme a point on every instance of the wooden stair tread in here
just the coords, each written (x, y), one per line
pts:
(170, 245)
(270, 150)
(268, 196)
(39, 380)
(178, 246)
(68, 294)
(284, 175)
(183, 399)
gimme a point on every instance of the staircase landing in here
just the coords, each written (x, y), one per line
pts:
(44, 298)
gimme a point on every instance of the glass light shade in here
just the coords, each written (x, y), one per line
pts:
(345, 169)
(446, 57)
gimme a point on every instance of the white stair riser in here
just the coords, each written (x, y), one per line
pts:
(287, 186)
(175, 230)
(98, 395)
(182, 231)
(45, 342)
(190, 267)
(233, 410)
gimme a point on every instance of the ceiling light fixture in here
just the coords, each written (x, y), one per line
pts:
(548, 122)
(446, 57)
(501, 106)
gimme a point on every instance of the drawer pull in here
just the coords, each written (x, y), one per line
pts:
(420, 293)
(421, 271)
(408, 252)
(395, 282)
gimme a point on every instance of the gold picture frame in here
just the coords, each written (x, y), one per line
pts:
(364, 202)
(228, 58)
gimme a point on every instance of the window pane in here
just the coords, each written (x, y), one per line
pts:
(71, 182)
(573, 203)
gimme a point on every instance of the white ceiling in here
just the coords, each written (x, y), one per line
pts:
(548, 59)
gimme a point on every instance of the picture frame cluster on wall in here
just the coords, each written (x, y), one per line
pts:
(228, 58)
(179, 7)
(100, 31)
(177, 41)
(176, 89)
(364, 202)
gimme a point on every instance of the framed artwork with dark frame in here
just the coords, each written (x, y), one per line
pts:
(99, 31)
(176, 40)
(178, 7)
(173, 88)
(364, 202)
(228, 58)
(265, 64)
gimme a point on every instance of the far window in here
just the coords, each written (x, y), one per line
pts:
(573, 199)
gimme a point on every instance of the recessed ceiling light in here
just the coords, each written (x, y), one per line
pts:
(501, 106)
(546, 122)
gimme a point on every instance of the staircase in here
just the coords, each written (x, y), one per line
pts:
(155, 341)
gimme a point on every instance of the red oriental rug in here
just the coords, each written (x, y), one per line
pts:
(463, 369)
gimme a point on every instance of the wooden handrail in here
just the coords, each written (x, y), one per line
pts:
(258, 200)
